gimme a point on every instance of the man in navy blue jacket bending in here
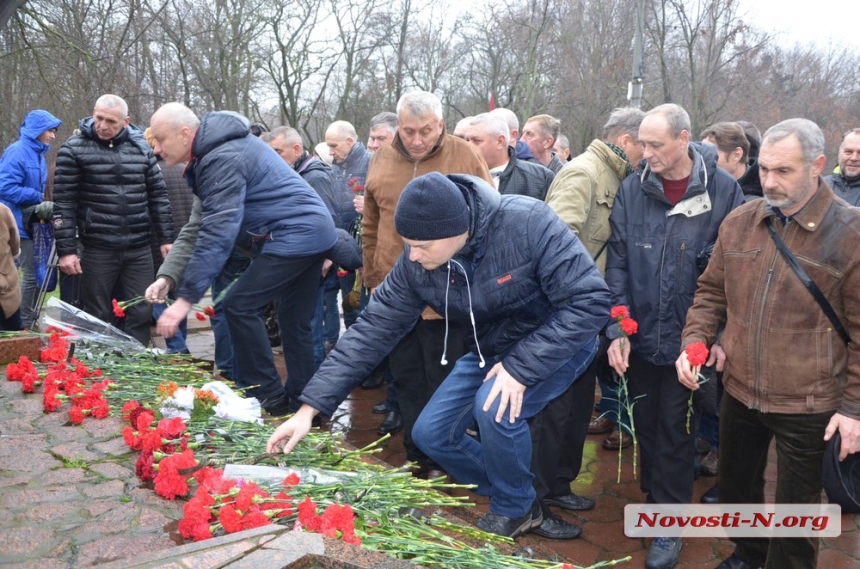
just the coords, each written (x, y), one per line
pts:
(509, 268)
(254, 203)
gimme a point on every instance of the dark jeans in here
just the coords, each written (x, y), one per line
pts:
(294, 283)
(500, 464)
(318, 329)
(102, 270)
(660, 416)
(745, 436)
(224, 361)
(418, 373)
(558, 433)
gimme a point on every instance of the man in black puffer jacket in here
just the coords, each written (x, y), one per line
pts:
(512, 272)
(109, 194)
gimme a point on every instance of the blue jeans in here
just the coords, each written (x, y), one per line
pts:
(331, 312)
(318, 330)
(176, 343)
(500, 464)
(294, 283)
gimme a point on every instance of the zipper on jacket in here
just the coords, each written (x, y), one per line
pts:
(757, 383)
(660, 293)
(681, 267)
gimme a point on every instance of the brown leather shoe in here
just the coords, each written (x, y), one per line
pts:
(616, 440)
(600, 425)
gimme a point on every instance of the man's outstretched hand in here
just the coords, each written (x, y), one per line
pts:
(287, 436)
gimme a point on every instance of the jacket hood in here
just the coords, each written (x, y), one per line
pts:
(216, 128)
(37, 122)
(130, 133)
(483, 201)
(704, 158)
(523, 151)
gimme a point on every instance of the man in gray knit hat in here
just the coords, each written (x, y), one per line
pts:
(511, 271)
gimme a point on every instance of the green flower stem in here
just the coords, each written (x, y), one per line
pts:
(701, 379)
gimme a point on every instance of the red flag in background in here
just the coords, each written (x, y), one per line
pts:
(492, 100)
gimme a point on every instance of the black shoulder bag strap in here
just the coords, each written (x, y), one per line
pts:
(807, 282)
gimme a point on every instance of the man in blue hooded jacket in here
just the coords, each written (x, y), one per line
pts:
(509, 269)
(254, 202)
(23, 175)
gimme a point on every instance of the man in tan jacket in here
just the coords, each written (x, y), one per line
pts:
(10, 287)
(420, 362)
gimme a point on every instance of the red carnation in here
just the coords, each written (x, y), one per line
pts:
(619, 311)
(209, 311)
(697, 353)
(200, 316)
(629, 326)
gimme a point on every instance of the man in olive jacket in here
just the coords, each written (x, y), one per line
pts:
(788, 373)
(109, 195)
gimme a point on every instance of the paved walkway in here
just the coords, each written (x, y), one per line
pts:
(69, 498)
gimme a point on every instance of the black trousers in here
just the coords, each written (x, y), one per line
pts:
(415, 364)
(660, 415)
(745, 436)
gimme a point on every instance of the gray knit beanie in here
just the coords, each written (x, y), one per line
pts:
(431, 207)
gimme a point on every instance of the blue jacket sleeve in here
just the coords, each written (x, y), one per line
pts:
(13, 175)
(393, 310)
(221, 187)
(571, 281)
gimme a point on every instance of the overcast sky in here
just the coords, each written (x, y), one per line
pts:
(806, 21)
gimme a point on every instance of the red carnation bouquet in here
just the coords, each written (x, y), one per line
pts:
(628, 326)
(697, 355)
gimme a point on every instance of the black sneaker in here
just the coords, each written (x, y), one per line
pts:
(553, 527)
(663, 553)
(570, 502)
(498, 524)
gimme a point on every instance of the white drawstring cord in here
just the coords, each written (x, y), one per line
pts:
(471, 314)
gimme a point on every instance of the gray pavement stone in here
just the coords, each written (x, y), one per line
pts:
(24, 544)
(112, 488)
(40, 564)
(63, 476)
(27, 498)
(112, 470)
(104, 428)
(57, 511)
(74, 450)
(154, 520)
(14, 426)
(32, 462)
(29, 405)
(63, 432)
(114, 447)
(8, 479)
(47, 421)
(18, 444)
(95, 508)
(114, 548)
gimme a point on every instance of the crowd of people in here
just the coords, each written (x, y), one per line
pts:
(474, 273)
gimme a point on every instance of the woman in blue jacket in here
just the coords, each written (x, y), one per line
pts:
(23, 176)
